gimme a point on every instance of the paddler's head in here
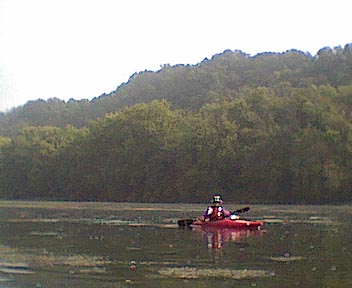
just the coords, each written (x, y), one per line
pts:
(217, 200)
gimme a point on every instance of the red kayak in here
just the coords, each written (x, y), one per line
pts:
(228, 223)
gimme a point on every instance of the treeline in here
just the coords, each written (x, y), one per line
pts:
(190, 87)
(278, 132)
(258, 147)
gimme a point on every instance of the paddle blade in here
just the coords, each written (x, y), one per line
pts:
(185, 222)
(242, 210)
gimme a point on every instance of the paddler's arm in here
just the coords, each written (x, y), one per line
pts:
(206, 214)
(226, 212)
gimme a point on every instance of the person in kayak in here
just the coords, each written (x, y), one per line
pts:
(216, 211)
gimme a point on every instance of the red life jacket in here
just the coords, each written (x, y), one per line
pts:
(217, 213)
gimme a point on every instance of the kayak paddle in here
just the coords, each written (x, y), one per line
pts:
(188, 222)
(242, 210)
(185, 222)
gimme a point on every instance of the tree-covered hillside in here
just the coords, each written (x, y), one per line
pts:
(272, 128)
(190, 87)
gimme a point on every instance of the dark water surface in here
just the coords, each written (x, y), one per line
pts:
(58, 244)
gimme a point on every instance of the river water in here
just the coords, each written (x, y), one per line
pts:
(67, 244)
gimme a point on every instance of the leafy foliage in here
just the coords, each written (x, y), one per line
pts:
(273, 128)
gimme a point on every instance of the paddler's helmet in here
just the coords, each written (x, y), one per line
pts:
(217, 199)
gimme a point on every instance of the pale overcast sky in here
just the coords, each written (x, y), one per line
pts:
(84, 48)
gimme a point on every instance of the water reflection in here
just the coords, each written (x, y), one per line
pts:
(216, 238)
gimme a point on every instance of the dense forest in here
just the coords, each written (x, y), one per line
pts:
(269, 128)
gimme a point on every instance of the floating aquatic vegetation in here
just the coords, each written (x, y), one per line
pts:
(309, 220)
(156, 263)
(134, 248)
(2, 280)
(315, 220)
(286, 258)
(194, 273)
(72, 261)
(111, 222)
(13, 265)
(96, 237)
(15, 271)
(168, 226)
(273, 221)
(116, 222)
(40, 233)
(34, 220)
(93, 270)
(102, 206)
(16, 262)
(5, 250)
(12, 262)
(14, 268)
